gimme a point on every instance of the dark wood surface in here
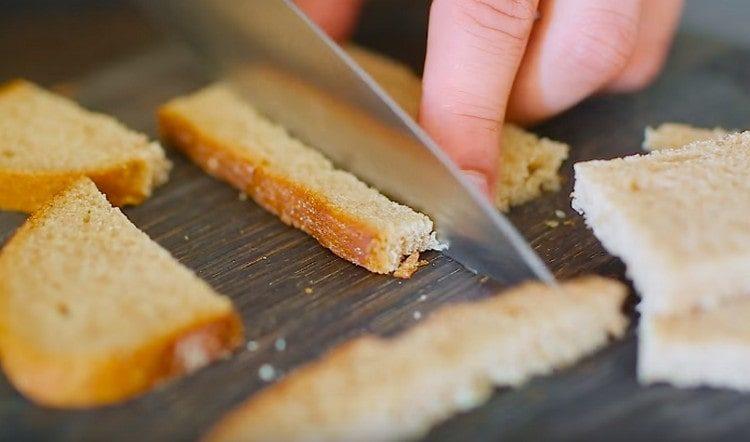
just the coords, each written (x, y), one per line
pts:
(265, 267)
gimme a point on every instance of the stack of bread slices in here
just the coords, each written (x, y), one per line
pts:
(678, 218)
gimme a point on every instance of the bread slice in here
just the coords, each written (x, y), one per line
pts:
(394, 389)
(672, 135)
(678, 218)
(528, 164)
(698, 348)
(229, 139)
(93, 312)
(47, 141)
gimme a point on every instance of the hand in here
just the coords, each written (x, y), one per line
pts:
(524, 59)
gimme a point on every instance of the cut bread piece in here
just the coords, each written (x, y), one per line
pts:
(47, 141)
(709, 348)
(229, 139)
(93, 312)
(678, 218)
(673, 135)
(393, 389)
(528, 164)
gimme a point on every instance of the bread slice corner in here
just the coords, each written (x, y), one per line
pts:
(48, 141)
(93, 312)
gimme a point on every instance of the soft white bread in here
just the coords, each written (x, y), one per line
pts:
(47, 141)
(528, 165)
(394, 389)
(678, 218)
(229, 139)
(698, 348)
(93, 312)
(672, 135)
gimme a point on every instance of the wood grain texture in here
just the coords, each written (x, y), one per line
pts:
(266, 267)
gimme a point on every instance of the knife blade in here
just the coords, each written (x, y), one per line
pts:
(298, 77)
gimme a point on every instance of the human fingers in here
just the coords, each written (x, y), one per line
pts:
(474, 48)
(577, 48)
(659, 21)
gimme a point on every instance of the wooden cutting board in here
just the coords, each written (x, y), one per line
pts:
(266, 268)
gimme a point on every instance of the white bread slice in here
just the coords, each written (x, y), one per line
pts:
(394, 389)
(229, 139)
(47, 141)
(709, 348)
(93, 312)
(528, 164)
(678, 218)
(672, 135)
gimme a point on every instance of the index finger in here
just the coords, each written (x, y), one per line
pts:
(474, 49)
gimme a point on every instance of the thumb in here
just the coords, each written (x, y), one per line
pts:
(474, 48)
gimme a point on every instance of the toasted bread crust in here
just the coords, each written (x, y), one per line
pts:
(340, 232)
(26, 191)
(50, 380)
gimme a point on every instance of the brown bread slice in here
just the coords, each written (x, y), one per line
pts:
(93, 312)
(47, 141)
(528, 164)
(395, 389)
(229, 139)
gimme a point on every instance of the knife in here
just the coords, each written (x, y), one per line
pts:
(293, 73)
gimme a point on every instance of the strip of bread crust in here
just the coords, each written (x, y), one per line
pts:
(230, 140)
(678, 218)
(47, 142)
(392, 389)
(93, 312)
(673, 135)
(698, 348)
(528, 165)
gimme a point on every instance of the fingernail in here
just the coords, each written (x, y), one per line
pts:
(478, 180)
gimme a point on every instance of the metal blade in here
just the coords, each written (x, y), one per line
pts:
(294, 74)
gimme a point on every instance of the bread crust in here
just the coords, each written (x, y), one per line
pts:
(125, 184)
(78, 382)
(374, 388)
(340, 232)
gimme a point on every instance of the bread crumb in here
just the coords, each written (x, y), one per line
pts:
(484, 279)
(213, 164)
(417, 315)
(408, 267)
(251, 346)
(560, 214)
(280, 344)
(308, 290)
(568, 222)
(242, 196)
(266, 372)
(187, 238)
(551, 223)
